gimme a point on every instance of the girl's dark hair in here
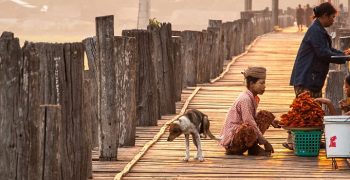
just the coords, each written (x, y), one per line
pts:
(250, 79)
(324, 8)
(347, 79)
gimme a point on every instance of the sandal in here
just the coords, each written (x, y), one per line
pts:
(288, 145)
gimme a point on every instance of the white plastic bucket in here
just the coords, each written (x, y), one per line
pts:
(337, 136)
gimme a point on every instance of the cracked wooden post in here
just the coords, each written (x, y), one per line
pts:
(334, 88)
(178, 67)
(203, 62)
(109, 124)
(214, 23)
(146, 93)
(73, 136)
(9, 84)
(214, 37)
(162, 57)
(202, 58)
(125, 57)
(189, 56)
(20, 130)
(91, 53)
(87, 121)
(50, 116)
(29, 126)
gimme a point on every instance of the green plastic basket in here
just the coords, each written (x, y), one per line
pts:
(306, 143)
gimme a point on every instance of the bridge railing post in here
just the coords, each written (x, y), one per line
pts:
(125, 57)
(109, 124)
(178, 66)
(162, 58)
(147, 97)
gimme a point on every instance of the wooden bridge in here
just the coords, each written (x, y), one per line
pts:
(163, 160)
(59, 112)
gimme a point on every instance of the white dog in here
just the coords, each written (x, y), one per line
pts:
(195, 123)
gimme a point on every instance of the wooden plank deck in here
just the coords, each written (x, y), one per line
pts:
(275, 51)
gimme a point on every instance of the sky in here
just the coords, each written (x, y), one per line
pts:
(75, 19)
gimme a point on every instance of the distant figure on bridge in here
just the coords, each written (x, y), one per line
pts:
(242, 129)
(300, 15)
(308, 15)
(311, 65)
(342, 18)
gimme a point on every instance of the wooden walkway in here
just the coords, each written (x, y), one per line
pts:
(276, 52)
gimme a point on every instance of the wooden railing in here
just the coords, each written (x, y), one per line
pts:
(52, 112)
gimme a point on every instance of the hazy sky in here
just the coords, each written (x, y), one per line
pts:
(76, 17)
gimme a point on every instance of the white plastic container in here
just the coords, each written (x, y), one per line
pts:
(337, 136)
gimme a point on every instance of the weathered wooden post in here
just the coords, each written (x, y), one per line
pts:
(334, 88)
(214, 37)
(202, 58)
(239, 34)
(274, 13)
(10, 57)
(109, 124)
(178, 67)
(74, 131)
(242, 34)
(29, 126)
(162, 57)
(219, 37)
(61, 68)
(189, 56)
(91, 74)
(125, 56)
(214, 23)
(20, 142)
(87, 121)
(50, 116)
(50, 55)
(146, 93)
(229, 39)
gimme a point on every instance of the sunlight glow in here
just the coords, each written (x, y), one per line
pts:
(23, 3)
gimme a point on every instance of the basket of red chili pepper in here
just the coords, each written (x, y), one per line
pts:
(305, 120)
(305, 113)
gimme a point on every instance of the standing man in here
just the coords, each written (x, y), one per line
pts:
(308, 15)
(300, 13)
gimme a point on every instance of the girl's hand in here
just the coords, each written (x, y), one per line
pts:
(342, 103)
(324, 101)
(328, 103)
(347, 52)
(275, 123)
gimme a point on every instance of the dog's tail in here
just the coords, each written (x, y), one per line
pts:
(206, 130)
(212, 136)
